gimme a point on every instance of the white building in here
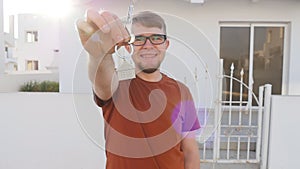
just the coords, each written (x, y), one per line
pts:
(37, 45)
(9, 42)
(2, 53)
(31, 50)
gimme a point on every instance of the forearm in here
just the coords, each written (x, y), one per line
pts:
(99, 33)
(191, 152)
(192, 160)
(102, 75)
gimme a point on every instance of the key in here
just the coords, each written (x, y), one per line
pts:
(128, 22)
(125, 67)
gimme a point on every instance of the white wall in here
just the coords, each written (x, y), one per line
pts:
(52, 130)
(41, 130)
(12, 82)
(206, 20)
(284, 145)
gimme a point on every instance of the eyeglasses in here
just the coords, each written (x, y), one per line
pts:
(155, 39)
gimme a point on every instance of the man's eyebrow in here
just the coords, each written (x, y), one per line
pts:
(143, 34)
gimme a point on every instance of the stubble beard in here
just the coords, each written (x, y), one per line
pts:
(150, 70)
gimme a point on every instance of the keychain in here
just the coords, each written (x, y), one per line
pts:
(125, 66)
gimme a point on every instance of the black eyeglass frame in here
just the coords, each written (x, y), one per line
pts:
(149, 38)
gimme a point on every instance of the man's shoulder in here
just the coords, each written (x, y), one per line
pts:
(174, 81)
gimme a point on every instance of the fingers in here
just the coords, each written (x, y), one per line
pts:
(108, 23)
(103, 27)
(85, 30)
(114, 25)
(123, 30)
(85, 27)
(96, 18)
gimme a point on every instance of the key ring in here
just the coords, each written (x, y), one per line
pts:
(132, 38)
(118, 54)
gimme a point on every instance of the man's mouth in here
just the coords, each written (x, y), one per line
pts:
(148, 55)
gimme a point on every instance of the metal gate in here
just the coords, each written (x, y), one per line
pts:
(241, 126)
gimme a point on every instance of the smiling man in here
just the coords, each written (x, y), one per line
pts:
(150, 120)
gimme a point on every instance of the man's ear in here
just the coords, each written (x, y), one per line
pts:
(167, 43)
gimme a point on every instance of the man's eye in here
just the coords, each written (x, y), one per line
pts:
(157, 37)
(139, 39)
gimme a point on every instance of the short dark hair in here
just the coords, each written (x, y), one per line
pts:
(150, 19)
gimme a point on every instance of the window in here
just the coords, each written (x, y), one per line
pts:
(258, 49)
(6, 52)
(31, 36)
(32, 65)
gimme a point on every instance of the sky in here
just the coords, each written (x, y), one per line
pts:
(36, 6)
(54, 8)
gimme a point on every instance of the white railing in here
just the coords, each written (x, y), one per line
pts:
(241, 127)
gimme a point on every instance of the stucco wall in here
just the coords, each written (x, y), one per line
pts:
(40, 130)
(284, 134)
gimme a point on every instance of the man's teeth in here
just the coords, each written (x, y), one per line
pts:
(148, 55)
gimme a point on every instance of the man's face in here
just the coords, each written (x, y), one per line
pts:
(148, 57)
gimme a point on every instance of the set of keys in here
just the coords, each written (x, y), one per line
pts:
(124, 65)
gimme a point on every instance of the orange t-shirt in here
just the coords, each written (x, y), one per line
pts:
(145, 123)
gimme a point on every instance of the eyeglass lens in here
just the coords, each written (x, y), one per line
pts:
(155, 39)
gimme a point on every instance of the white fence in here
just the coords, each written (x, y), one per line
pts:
(241, 128)
(41, 131)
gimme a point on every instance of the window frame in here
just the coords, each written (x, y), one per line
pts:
(33, 36)
(34, 64)
(286, 49)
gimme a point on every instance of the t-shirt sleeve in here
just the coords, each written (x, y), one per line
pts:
(99, 101)
(191, 122)
(190, 119)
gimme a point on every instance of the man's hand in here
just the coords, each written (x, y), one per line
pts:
(100, 32)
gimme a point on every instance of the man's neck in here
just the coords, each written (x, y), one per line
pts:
(150, 77)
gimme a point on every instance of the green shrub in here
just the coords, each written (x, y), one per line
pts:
(45, 86)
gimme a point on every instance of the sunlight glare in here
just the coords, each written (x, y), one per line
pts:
(55, 8)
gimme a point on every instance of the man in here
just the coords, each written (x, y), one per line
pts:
(149, 120)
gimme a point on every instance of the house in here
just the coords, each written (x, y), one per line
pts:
(31, 51)
(37, 45)
(259, 36)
